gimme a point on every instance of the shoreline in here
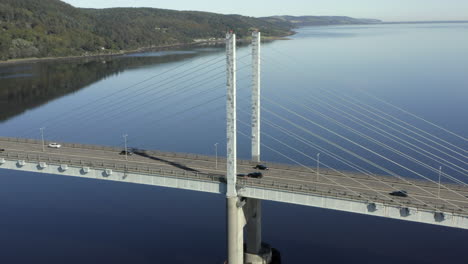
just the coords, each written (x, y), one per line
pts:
(126, 52)
(94, 56)
(192, 44)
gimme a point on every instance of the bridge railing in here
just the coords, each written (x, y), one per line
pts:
(118, 167)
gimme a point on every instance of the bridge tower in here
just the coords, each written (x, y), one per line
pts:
(240, 211)
(256, 253)
(234, 211)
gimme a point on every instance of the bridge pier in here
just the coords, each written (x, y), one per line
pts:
(256, 252)
(254, 226)
(240, 213)
(235, 230)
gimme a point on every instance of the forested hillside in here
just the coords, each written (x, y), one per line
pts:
(50, 28)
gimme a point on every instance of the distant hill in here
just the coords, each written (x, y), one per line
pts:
(51, 28)
(301, 21)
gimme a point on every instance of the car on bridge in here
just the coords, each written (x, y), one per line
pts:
(123, 152)
(54, 145)
(250, 175)
(261, 167)
(258, 175)
(400, 193)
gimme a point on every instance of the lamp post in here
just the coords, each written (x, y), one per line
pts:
(216, 155)
(440, 173)
(318, 165)
(42, 136)
(125, 140)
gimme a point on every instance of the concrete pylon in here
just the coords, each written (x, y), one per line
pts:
(234, 213)
(255, 253)
(231, 115)
(256, 37)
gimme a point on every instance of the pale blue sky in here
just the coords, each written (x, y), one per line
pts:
(388, 10)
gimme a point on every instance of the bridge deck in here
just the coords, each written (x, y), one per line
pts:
(348, 185)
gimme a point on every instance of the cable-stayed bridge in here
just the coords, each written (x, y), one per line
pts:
(359, 190)
(282, 182)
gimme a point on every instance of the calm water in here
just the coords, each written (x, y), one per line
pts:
(174, 101)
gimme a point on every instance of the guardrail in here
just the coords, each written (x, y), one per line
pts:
(125, 168)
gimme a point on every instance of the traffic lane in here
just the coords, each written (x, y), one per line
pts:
(407, 186)
(202, 164)
(101, 155)
(177, 164)
(20, 146)
(311, 175)
(98, 155)
(184, 162)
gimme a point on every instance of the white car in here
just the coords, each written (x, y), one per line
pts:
(54, 145)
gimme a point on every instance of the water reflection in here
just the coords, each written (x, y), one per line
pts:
(160, 53)
(25, 87)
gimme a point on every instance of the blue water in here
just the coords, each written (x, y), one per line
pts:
(180, 107)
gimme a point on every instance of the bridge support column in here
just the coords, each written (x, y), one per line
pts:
(235, 230)
(234, 212)
(254, 226)
(245, 212)
(256, 252)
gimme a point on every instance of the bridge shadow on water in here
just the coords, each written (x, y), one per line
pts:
(172, 163)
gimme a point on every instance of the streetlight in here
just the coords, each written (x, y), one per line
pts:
(125, 140)
(42, 136)
(440, 173)
(216, 154)
(318, 165)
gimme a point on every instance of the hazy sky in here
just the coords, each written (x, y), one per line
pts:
(388, 10)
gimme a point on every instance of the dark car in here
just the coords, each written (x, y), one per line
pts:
(123, 152)
(261, 167)
(2, 150)
(255, 175)
(399, 193)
